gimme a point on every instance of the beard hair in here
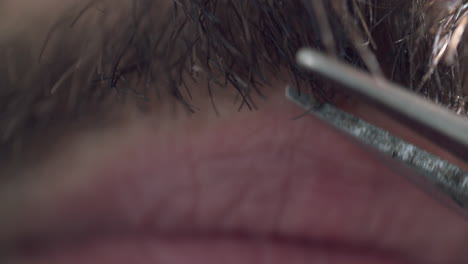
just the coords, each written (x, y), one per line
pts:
(78, 64)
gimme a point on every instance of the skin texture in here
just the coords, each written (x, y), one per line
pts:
(281, 183)
(254, 186)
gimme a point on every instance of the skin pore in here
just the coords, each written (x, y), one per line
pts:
(98, 174)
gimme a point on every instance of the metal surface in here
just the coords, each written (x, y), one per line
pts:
(438, 177)
(432, 121)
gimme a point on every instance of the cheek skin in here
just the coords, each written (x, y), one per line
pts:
(194, 168)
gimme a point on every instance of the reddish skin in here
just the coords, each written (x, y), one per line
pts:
(252, 177)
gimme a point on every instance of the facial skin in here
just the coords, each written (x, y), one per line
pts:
(122, 185)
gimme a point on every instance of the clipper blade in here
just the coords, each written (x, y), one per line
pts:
(434, 175)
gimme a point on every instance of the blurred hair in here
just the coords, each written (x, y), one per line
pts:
(84, 61)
